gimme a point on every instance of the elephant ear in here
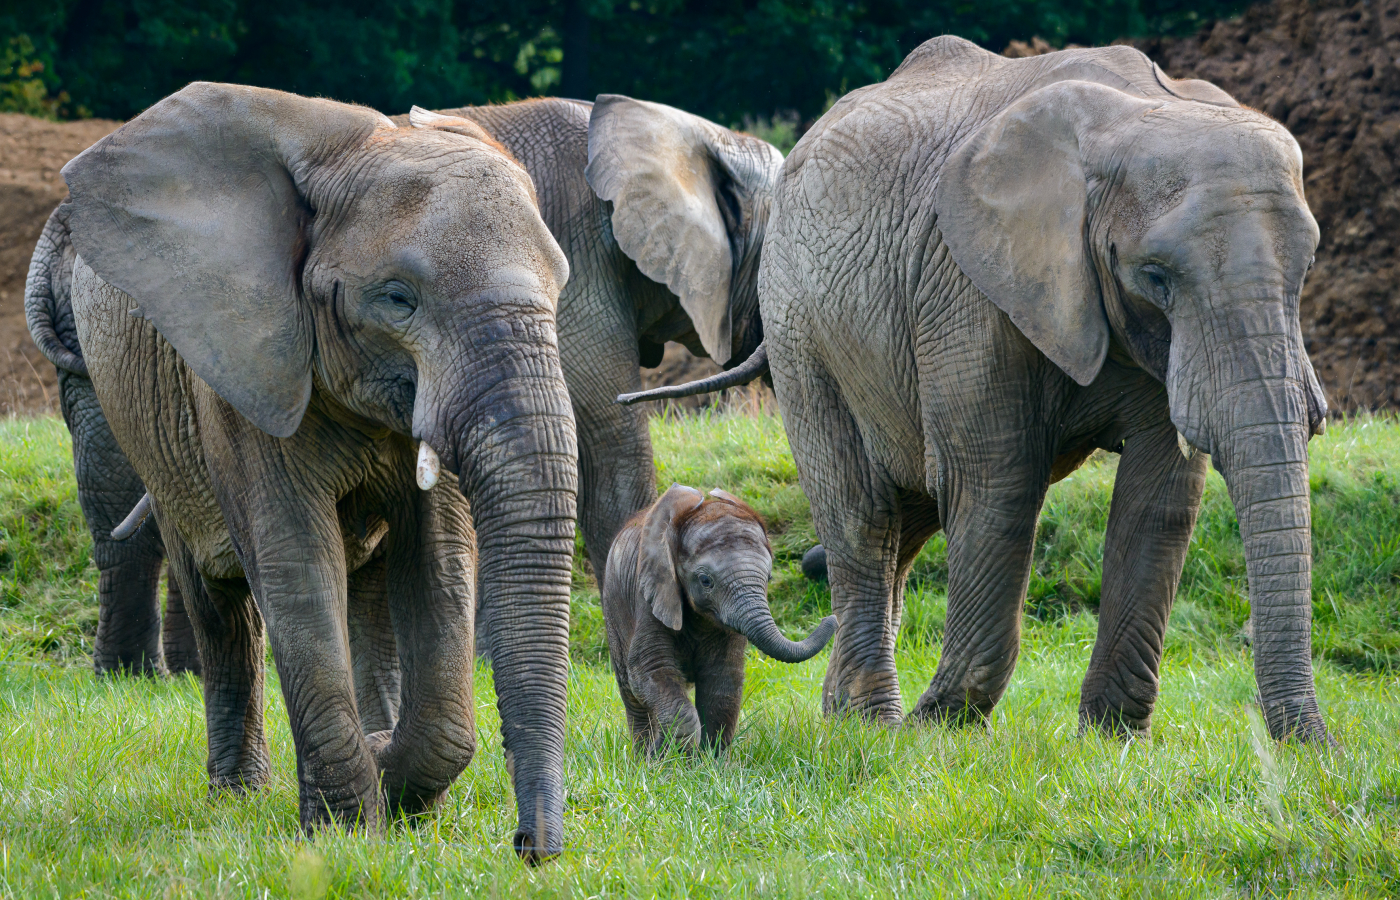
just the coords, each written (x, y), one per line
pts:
(686, 193)
(657, 556)
(1013, 203)
(193, 209)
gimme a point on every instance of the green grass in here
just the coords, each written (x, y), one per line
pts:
(102, 789)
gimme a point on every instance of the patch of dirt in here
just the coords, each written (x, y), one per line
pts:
(32, 151)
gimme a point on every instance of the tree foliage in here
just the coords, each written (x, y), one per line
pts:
(726, 59)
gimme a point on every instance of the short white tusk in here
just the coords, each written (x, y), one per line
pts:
(1181, 444)
(429, 466)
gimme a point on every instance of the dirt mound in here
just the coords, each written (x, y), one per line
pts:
(1330, 71)
(32, 151)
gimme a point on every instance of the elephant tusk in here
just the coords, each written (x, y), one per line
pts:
(429, 467)
(1184, 446)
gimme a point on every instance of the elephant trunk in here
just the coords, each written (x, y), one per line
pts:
(1265, 465)
(516, 458)
(752, 618)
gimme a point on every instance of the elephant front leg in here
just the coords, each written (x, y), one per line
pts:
(1156, 497)
(374, 652)
(228, 632)
(719, 689)
(295, 559)
(991, 536)
(431, 590)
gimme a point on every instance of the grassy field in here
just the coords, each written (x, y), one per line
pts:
(102, 790)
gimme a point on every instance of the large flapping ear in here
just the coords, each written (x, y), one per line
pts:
(193, 209)
(656, 558)
(684, 191)
(1012, 205)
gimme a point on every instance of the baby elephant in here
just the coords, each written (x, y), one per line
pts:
(687, 582)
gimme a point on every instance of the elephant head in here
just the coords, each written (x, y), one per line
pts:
(1176, 231)
(690, 201)
(286, 246)
(713, 556)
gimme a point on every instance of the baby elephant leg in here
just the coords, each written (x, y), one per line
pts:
(672, 719)
(719, 690)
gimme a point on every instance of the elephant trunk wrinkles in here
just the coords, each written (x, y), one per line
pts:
(754, 620)
(517, 466)
(1262, 453)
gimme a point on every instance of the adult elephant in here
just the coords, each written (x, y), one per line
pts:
(983, 269)
(278, 298)
(662, 216)
(666, 248)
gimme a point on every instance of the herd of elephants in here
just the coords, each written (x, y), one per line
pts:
(278, 320)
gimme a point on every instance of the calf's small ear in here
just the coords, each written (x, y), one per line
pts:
(657, 557)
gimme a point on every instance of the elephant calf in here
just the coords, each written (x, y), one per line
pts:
(687, 582)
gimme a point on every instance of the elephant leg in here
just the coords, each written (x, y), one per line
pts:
(373, 651)
(177, 634)
(638, 717)
(228, 632)
(294, 555)
(128, 620)
(855, 513)
(719, 690)
(991, 537)
(672, 719)
(431, 589)
(1156, 496)
(616, 474)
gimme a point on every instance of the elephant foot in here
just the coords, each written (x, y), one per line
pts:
(135, 665)
(874, 699)
(251, 774)
(402, 797)
(957, 712)
(350, 810)
(1119, 719)
(1299, 721)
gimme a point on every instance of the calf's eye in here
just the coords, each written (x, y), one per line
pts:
(706, 581)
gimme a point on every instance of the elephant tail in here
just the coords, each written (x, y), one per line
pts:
(47, 303)
(134, 519)
(755, 366)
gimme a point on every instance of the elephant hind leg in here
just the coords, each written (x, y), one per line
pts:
(128, 617)
(854, 509)
(228, 631)
(177, 633)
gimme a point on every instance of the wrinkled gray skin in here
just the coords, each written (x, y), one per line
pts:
(686, 204)
(983, 269)
(687, 583)
(130, 639)
(318, 291)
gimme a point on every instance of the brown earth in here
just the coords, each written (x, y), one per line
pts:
(1329, 70)
(32, 151)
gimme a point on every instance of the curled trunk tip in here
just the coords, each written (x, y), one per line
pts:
(754, 367)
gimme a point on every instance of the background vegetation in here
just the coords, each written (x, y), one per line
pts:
(725, 59)
(102, 789)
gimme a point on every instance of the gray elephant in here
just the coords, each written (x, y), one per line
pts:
(129, 637)
(282, 302)
(664, 246)
(983, 269)
(683, 201)
(686, 590)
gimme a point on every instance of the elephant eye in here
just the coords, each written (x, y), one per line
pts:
(400, 297)
(706, 581)
(1158, 284)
